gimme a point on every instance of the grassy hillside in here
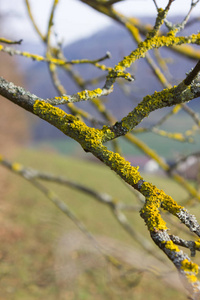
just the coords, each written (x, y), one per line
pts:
(44, 256)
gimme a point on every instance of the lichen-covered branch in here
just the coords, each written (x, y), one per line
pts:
(56, 61)
(192, 245)
(94, 140)
(167, 97)
(75, 128)
(91, 140)
(6, 41)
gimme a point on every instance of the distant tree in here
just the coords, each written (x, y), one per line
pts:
(97, 136)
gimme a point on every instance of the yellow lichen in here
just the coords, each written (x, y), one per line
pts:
(17, 167)
(191, 278)
(42, 108)
(197, 244)
(156, 199)
(62, 97)
(89, 138)
(108, 134)
(170, 205)
(52, 67)
(122, 167)
(102, 67)
(177, 136)
(176, 108)
(150, 212)
(134, 30)
(154, 42)
(171, 246)
(148, 104)
(191, 270)
(189, 266)
(84, 95)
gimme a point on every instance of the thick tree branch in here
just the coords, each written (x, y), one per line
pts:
(92, 140)
(193, 74)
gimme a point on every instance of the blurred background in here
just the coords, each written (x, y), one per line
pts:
(42, 254)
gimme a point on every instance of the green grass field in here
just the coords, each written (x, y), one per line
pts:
(34, 229)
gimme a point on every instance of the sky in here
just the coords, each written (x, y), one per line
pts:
(73, 19)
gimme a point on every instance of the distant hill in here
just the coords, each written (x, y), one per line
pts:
(118, 42)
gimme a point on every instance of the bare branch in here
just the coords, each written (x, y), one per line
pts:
(6, 41)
